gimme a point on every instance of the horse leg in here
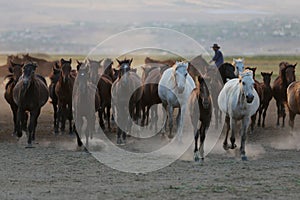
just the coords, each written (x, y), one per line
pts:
(180, 121)
(20, 121)
(101, 112)
(232, 137)
(292, 118)
(264, 115)
(79, 142)
(216, 111)
(70, 118)
(203, 128)
(170, 114)
(63, 118)
(225, 143)
(245, 125)
(32, 125)
(119, 133)
(143, 115)
(260, 110)
(253, 119)
(283, 114)
(55, 117)
(14, 109)
(196, 151)
(165, 116)
(108, 116)
(278, 112)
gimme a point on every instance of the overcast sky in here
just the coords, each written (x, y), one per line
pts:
(15, 13)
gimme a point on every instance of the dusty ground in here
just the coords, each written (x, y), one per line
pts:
(56, 169)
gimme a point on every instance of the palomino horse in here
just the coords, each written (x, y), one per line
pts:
(239, 101)
(104, 90)
(174, 90)
(30, 94)
(293, 101)
(16, 72)
(280, 85)
(126, 94)
(63, 91)
(54, 77)
(267, 95)
(84, 96)
(200, 106)
(239, 65)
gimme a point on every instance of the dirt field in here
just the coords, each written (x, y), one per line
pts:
(56, 169)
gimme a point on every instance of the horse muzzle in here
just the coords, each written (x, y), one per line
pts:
(249, 98)
(180, 90)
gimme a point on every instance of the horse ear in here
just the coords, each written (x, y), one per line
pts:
(78, 62)
(118, 61)
(262, 73)
(56, 65)
(271, 73)
(295, 65)
(70, 60)
(186, 64)
(130, 61)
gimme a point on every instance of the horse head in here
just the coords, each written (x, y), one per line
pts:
(266, 77)
(82, 78)
(204, 92)
(93, 67)
(289, 73)
(253, 69)
(239, 64)
(65, 69)
(107, 64)
(16, 70)
(247, 85)
(124, 67)
(28, 73)
(180, 74)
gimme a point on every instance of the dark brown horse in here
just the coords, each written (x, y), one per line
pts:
(45, 67)
(293, 101)
(63, 91)
(227, 71)
(104, 90)
(259, 90)
(126, 95)
(266, 97)
(200, 105)
(30, 94)
(280, 85)
(15, 73)
(54, 77)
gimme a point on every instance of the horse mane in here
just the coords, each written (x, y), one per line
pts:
(245, 73)
(11, 80)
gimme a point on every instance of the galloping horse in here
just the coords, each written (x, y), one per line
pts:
(239, 101)
(280, 85)
(127, 84)
(84, 96)
(63, 91)
(200, 106)
(293, 101)
(239, 65)
(104, 90)
(30, 94)
(227, 71)
(174, 89)
(54, 77)
(267, 95)
(15, 73)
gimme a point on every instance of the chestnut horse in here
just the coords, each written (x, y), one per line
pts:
(30, 94)
(280, 85)
(63, 91)
(293, 101)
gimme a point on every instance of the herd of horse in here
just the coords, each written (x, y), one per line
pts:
(97, 87)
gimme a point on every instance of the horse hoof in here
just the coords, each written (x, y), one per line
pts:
(244, 158)
(225, 147)
(29, 146)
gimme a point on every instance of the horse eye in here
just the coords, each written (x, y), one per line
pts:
(243, 83)
(185, 74)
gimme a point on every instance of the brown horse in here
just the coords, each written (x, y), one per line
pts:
(293, 101)
(15, 73)
(54, 77)
(63, 91)
(266, 97)
(280, 85)
(104, 90)
(200, 106)
(126, 95)
(169, 62)
(259, 90)
(30, 94)
(45, 67)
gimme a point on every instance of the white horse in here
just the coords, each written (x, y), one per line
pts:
(174, 90)
(239, 101)
(239, 65)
